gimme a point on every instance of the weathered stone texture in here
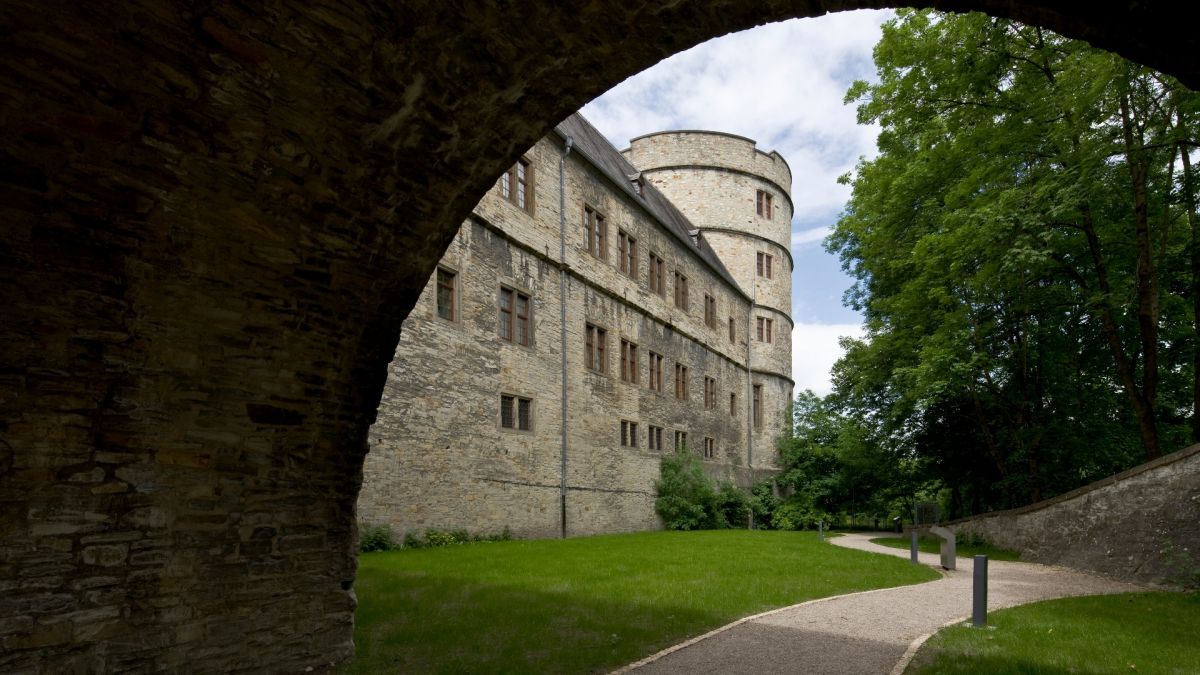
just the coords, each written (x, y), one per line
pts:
(1142, 524)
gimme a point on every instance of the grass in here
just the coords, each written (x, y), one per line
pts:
(592, 603)
(1127, 633)
(962, 549)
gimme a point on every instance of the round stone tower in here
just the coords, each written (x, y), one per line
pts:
(740, 199)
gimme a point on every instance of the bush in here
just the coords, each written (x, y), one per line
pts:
(733, 506)
(375, 538)
(439, 538)
(686, 498)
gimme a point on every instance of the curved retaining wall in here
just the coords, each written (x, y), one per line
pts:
(1142, 524)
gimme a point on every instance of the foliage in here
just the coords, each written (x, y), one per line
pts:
(375, 538)
(1024, 250)
(439, 538)
(686, 498)
(588, 604)
(1125, 633)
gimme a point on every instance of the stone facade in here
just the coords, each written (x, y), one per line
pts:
(440, 454)
(1142, 524)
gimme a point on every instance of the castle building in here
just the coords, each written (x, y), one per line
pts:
(597, 310)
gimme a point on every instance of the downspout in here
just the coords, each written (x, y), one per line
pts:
(563, 278)
(750, 391)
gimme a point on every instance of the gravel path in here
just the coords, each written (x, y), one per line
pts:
(869, 632)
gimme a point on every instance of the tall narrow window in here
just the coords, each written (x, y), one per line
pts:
(732, 404)
(654, 438)
(710, 448)
(756, 404)
(658, 281)
(514, 317)
(764, 204)
(597, 233)
(681, 291)
(629, 362)
(732, 330)
(627, 248)
(654, 365)
(516, 185)
(710, 311)
(763, 327)
(516, 412)
(710, 393)
(446, 287)
(681, 388)
(629, 434)
(594, 357)
(680, 440)
(765, 265)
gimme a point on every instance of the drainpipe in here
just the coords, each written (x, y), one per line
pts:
(563, 278)
(750, 390)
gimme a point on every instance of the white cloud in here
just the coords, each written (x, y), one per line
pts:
(805, 238)
(815, 348)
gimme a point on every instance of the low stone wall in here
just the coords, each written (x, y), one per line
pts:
(1142, 524)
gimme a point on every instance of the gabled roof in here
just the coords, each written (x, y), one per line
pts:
(595, 148)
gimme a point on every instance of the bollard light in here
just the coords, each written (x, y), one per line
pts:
(820, 530)
(913, 547)
(979, 597)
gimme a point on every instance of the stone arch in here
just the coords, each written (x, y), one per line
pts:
(214, 221)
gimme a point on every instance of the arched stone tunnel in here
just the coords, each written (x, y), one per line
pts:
(215, 217)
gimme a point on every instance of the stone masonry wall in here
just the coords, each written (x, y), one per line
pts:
(1142, 524)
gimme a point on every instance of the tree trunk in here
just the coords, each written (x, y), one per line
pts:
(1189, 197)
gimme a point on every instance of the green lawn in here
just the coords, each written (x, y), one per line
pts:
(592, 603)
(963, 550)
(1127, 633)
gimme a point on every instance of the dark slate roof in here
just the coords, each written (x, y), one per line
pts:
(595, 148)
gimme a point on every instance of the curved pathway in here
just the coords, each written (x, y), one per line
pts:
(869, 632)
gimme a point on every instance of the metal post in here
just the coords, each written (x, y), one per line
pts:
(913, 548)
(820, 530)
(979, 597)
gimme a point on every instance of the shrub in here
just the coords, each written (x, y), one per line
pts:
(375, 538)
(733, 506)
(686, 498)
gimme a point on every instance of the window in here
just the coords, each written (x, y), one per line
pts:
(516, 412)
(681, 294)
(680, 440)
(658, 280)
(764, 329)
(732, 404)
(629, 434)
(681, 392)
(710, 448)
(629, 362)
(765, 265)
(594, 355)
(514, 317)
(710, 393)
(655, 366)
(446, 300)
(710, 311)
(654, 439)
(516, 185)
(764, 204)
(597, 233)
(757, 406)
(627, 246)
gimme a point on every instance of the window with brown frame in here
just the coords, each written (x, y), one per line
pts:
(680, 440)
(681, 388)
(516, 185)
(516, 412)
(596, 231)
(756, 409)
(658, 280)
(447, 293)
(514, 317)
(710, 311)
(629, 362)
(629, 434)
(654, 438)
(710, 393)
(654, 365)
(763, 326)
(764, 204)
(732, 330)
(681, 292)
(765, 265)
(594, 355)
(733, 404)
(710, 448)
(627, 248)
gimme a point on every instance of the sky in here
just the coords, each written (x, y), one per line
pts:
(782, 85)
